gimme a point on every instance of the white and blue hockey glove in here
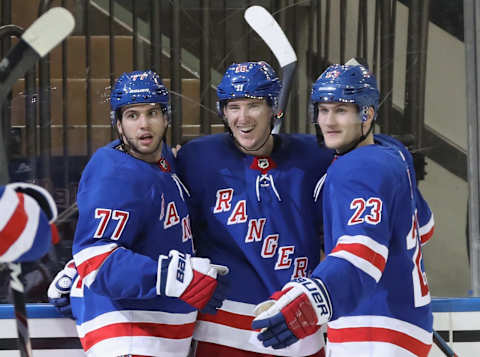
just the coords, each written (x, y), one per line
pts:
(59, 289)
(193, 280)
(295, 312)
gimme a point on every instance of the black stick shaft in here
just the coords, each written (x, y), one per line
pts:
(444, 347)
(12, 67)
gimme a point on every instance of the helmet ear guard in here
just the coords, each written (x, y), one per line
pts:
(364, 114)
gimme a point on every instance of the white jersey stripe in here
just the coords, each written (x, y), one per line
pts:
(359, 349)
(132, 316)
(366, 241)
(140, 345)
(427, 228)
(247, 340)
(383, 322)
(360, 263)
(92, 252)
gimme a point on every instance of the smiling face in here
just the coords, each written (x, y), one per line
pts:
(250, 122)
(142, 128)
(341, 125)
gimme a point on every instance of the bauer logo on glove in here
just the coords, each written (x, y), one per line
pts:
(295, 312)
(193, 280)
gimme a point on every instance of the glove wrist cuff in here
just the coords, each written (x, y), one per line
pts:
(317, 295)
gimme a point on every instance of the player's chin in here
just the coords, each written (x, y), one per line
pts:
(333, 143)
(249, 144)
(147, 149)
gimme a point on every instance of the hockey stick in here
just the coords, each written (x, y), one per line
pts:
(269, 30)
(38, 40)
(442, 345)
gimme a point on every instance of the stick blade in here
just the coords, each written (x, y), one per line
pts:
(269, 30)
(49, 30)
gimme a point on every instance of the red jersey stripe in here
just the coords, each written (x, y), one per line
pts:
(149, 329)
(378, 334)
(15, 226)
(230, 319)
(92, 264)
(364, 252)
(426, 237)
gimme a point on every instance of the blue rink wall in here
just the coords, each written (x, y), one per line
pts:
(456, 320)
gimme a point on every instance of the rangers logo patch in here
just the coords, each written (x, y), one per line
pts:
(332, 74)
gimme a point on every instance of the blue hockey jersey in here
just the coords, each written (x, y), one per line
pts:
(130, 212)
(257, 215)
(375, 221)
(25, 233)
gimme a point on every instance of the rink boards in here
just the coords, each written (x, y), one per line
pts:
(456, 320)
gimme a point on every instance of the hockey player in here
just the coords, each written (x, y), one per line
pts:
(139, 287)
(371, 289)
(252, 209)
(27, 212)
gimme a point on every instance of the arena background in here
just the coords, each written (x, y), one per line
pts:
(422, 52)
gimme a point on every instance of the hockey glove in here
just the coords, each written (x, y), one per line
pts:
(59, 289)
(44, 200)
(295, 312)
(193, 280)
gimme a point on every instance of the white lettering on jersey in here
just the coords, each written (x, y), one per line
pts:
(255, 230)
(284, 262)
(186, 230)
(374, 215)
(270, 245)
(171, 217)
(223, 202)
(239, 213)
(421, 291)
(300, 267)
